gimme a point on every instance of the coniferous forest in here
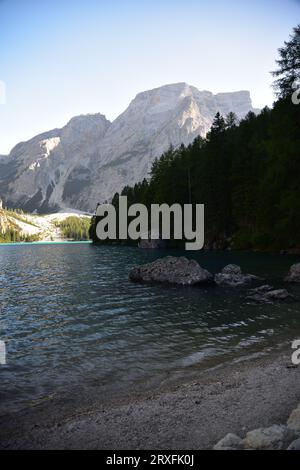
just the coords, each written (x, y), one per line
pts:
(247, 173)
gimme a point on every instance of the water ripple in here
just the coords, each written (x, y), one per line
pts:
(71, 317)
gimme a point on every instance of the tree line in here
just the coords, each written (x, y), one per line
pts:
(75, 228)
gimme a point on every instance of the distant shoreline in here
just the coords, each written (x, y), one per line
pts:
(283, 252)
(62, 242)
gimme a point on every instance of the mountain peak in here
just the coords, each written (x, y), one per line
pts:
(96, 118)
(90, 158)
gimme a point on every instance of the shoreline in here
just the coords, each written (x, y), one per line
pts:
(46, 242)
(164, 251)
(235, 398)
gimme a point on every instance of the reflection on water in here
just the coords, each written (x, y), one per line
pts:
(71, 319)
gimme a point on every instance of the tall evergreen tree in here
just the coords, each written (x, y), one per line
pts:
(288, 71)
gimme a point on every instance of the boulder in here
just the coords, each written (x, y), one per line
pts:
(151, 244)
(232, 276)
(276, 437)
(279, 294)
(267, 294)
(229, 442)
(172, 270)
(293, 422)
(232, 269)
(262, 289)
(295, 445)
(294, 273)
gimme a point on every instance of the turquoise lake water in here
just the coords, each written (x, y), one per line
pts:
(73, 323)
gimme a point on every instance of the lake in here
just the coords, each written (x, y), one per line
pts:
(75, 326)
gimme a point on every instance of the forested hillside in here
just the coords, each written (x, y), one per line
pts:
(75, 228)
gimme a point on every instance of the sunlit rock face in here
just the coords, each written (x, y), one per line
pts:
(90, 158)
(47, 172)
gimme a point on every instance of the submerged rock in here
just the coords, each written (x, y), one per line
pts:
(232, 276)
(172, 270)
(294, 274)
(268, 294)
(153, 242)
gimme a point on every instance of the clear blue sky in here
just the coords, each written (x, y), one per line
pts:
(68, 57)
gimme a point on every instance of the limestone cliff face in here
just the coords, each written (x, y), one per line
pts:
(90, 159)
(48, 170)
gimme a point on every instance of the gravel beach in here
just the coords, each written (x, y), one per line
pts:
(234, 398)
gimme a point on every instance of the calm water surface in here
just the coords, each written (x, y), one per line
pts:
(73, 322)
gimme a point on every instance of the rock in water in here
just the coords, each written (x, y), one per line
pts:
(232, 276)
(294, 274)
(153, 242)
(232, 269)
(172, 270)
(268, 294)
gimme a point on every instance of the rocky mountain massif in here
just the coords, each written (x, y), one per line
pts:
(90, 158)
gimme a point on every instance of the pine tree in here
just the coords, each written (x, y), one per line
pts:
(231, 120)
(288, 65)
(218, 126)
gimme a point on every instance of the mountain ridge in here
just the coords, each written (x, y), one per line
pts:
(90, 158)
